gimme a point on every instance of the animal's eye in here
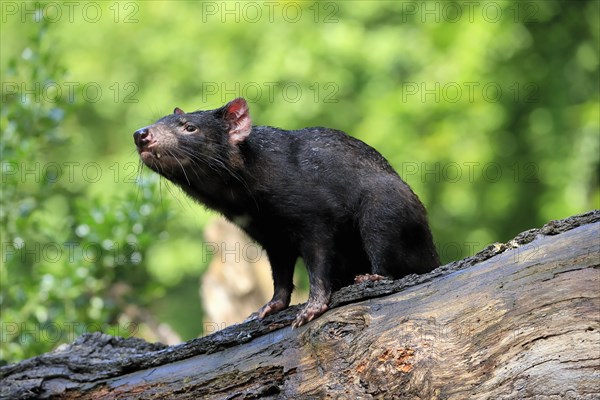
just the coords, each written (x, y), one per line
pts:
(190, 128)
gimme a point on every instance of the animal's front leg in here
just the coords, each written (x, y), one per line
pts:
(318, 259)
(282, 268)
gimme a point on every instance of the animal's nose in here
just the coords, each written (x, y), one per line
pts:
(140, 137)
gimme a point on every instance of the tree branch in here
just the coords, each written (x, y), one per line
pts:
(517, 320)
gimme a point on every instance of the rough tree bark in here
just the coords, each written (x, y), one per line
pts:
(518, 320)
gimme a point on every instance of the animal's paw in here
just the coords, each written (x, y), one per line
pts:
(270, 308)
(252, 317)
(311, 311)
(369, 278)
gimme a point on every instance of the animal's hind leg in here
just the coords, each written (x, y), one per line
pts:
(381, 243)
(397, 241)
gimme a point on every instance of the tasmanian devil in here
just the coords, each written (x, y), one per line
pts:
(314, 193)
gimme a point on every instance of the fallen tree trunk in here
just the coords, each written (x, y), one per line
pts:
(517, 320)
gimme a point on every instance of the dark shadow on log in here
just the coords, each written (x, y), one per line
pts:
(517, 320)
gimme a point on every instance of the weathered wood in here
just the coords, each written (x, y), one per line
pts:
(517, 320)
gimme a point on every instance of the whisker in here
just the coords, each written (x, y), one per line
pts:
(138, 181)
(222, 163)
(181, 165)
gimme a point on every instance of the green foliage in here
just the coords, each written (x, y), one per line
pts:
(491, 115)
(62, 250)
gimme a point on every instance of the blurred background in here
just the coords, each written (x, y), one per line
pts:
(488, 109)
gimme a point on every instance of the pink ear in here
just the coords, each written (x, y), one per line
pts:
(178, 111)
(238, 117)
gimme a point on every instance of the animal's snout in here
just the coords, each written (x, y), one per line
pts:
(141, 137)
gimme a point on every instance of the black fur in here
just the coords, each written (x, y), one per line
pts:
(314, 193)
